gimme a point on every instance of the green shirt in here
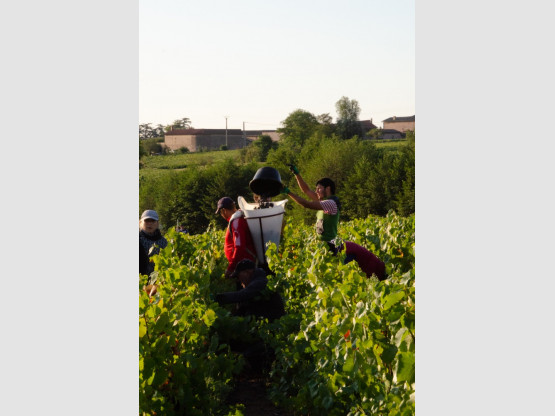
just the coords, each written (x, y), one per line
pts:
(326, 224)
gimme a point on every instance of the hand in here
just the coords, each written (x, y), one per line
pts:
(151, 290)
(285, 190)
(293, 169)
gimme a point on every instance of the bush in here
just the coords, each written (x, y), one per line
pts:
(190, 196)
(151, 146)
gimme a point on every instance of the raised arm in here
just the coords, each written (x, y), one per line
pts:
(303, 185)
(305, 188)
(301, 201)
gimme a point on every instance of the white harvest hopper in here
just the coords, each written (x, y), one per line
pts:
(264, 224)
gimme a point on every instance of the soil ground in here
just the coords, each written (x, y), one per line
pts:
(250, 390)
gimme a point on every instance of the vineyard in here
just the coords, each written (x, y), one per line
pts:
(346, 345)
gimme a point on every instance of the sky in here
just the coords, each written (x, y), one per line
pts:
(255, 62)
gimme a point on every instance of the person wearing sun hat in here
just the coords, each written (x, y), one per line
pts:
(150, 237)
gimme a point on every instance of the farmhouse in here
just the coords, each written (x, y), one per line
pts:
(391, 134)
(366, 126)
(212, 139)
(401, 124)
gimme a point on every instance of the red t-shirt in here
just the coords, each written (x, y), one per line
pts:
(367, 261)
(238, 243)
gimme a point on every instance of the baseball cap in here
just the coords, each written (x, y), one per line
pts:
(225, 202)
(150, 213)
(244, 264)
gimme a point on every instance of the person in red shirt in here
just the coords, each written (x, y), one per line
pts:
(238, 241)
(367, 261)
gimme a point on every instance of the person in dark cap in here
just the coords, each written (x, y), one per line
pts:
(238, 241)
(254, 298)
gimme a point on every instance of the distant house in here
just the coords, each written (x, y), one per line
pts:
(366, 126)
(255, 134)
(204, 139)
(390, 134)
(401, 124)
(212, 139)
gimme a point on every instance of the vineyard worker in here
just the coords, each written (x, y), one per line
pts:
(150, 236)
(143, 260)
(238, 241)
(368, 262)
(324, 201)
(254, 298)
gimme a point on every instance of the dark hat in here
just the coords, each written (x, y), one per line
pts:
(244, 264)
(225, 202)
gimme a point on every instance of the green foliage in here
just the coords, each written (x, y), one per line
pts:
(347, 344)
(142, 150)
(182, 123)
(183, 366)
(194, 160)
(298, 127)
(152, 146)
(374, 133)
(345, 347)
(258, 150)
(382, 185)
(190, 196)
(183, 149)
(347, 109)
(348, 125)
(327, 157)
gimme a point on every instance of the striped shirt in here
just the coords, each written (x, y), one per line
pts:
(329, 206)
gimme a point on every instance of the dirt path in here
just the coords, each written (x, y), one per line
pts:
(250, 391)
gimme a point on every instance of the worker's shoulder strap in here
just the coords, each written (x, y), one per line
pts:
(237, 214)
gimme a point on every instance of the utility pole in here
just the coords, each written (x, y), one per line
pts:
(244, 136)
(226, 130)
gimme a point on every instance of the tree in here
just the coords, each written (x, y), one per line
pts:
(348, 124)
(159, 130)
(152, 146)
(145, 131)
(142, 151)
(182, 123)
(375, 133)
(265, 143)
(298, 127)
(326, 127)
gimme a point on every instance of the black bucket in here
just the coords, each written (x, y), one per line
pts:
(266, 182)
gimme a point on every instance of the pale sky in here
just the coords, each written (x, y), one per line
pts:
(257, 61)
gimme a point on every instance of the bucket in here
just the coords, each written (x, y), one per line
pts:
(266, 182)
(264, 224)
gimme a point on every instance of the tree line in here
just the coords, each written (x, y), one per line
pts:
(146, 131)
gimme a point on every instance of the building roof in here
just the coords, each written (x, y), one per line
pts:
(200, 132)
(396, 119)
(258, 132)
(367, 124)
